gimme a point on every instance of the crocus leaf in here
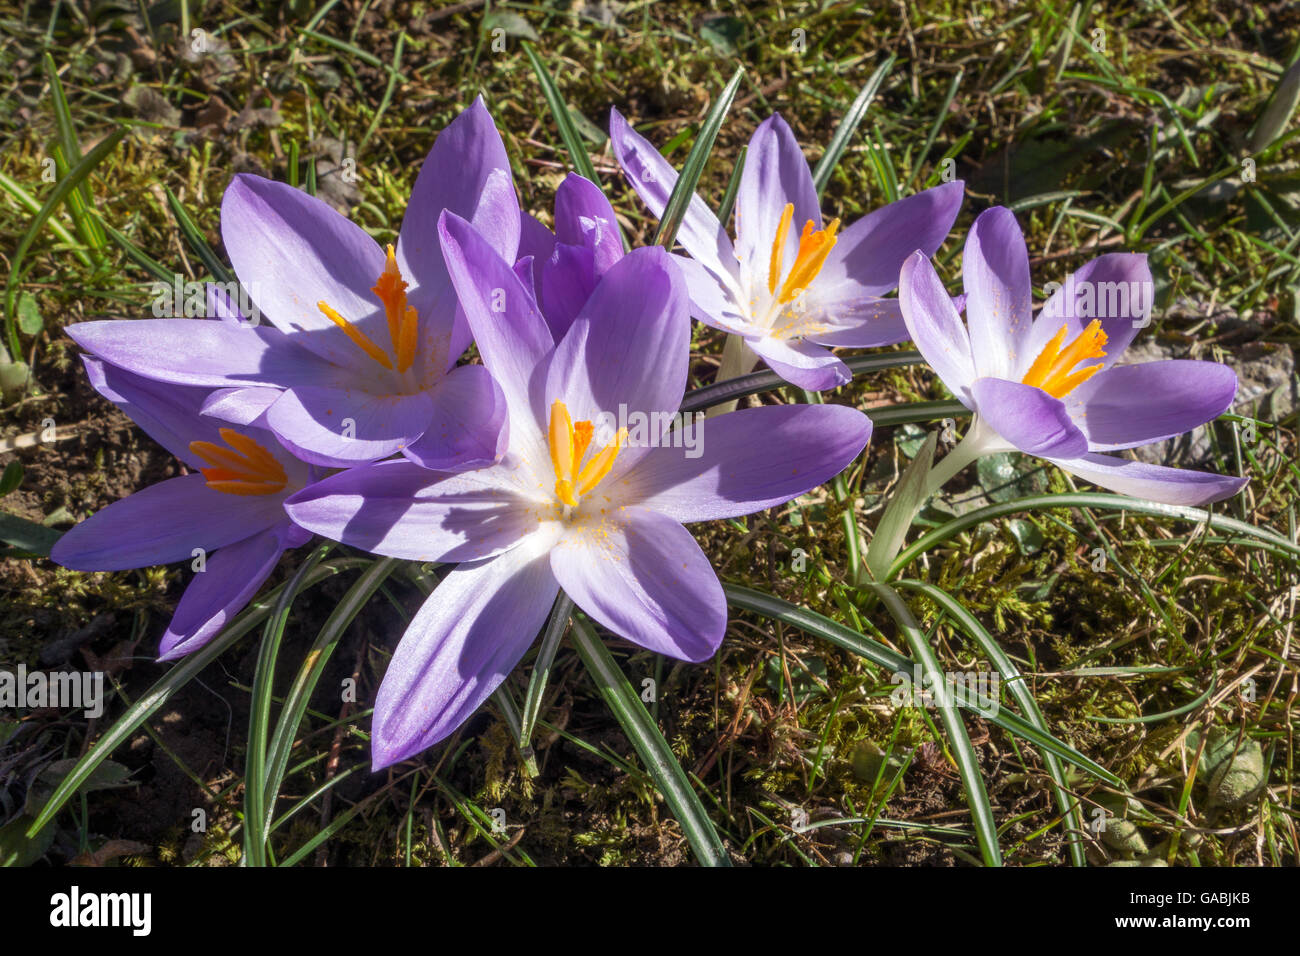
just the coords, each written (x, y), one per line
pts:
(1279, 111)
(563, 120)
(903, 505)
(684, 189)
(29, 316)
(669, 777)
(27, 535)
(12, 477)
(986, 830)
(848, 126)
(195, 240)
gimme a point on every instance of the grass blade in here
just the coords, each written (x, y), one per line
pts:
(903, 505)
(754, 382)
(259, 718)
(836, 633)
(1085, 499)
(176, 678)
(195, 240)
(1012, 680)
(555, 628)
(684, 189)
(654, 751)
(849, 125)
(313, 665)
(972, 780)
(80, 203)
(563, 121)
(57, 195)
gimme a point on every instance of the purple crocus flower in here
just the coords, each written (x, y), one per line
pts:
(361, 362)
(598, 515)
(230, 512)
(791, 286)
(1052, 386)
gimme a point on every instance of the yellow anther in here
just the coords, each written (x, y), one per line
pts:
(244, 468)
(814, 246)
(569, 442)
(356, 335)
(1052, 369)
(778, 248)
(403, 321)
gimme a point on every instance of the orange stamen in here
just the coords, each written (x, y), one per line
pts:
(778, 248)
(1052, 369)
(569, 442)
(244, 468)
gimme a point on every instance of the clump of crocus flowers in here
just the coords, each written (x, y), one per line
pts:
(355, 416)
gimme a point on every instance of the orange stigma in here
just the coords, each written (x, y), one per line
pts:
(403, 322)
(244, 468)
(569, 441)
(1051, 371)
(814, 247)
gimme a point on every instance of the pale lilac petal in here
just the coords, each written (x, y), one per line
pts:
(535, 240)
(458, 648)
(1116, 288)
(713, 301)
(995, 272)
(230, 578)
(291, 251)
(509, 330)
(801, 363)
(935, 326)
(224, 303)
(1171, 486)
(861, 323)
(641, 574)
(653, 178)
(870, 253)
(630, 346)
(744, 461)
(1130, 405)
(241, 406)
(1029, 418)
(775, 174)
(398, 509)
(199, 353)
(164, 523)
(336, 427)
(468, 427)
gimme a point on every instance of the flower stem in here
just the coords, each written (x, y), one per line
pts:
(737, 359)
(974, 444)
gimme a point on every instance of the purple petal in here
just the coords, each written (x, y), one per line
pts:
(855, 323)
(337, 427)
(1171, 486)
(291, 251)
(935, 326)
(535, 240)
(199, 353)
(567, 280)
(511, 335)
(870, 253)
(1130, 405)
(454, 177)
(653, 178)
(745, 461)
(801, 363)
(168, 414)
(584, 217)
(165, 523)
(398, 509)
(630, 346)
(643, 576)
(1116, 288)
(224, 305)
(468, 427)
(230, 578)
(775, 174)
(241, 406)
(1029, 418)
(463, 642)
(995, 272)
